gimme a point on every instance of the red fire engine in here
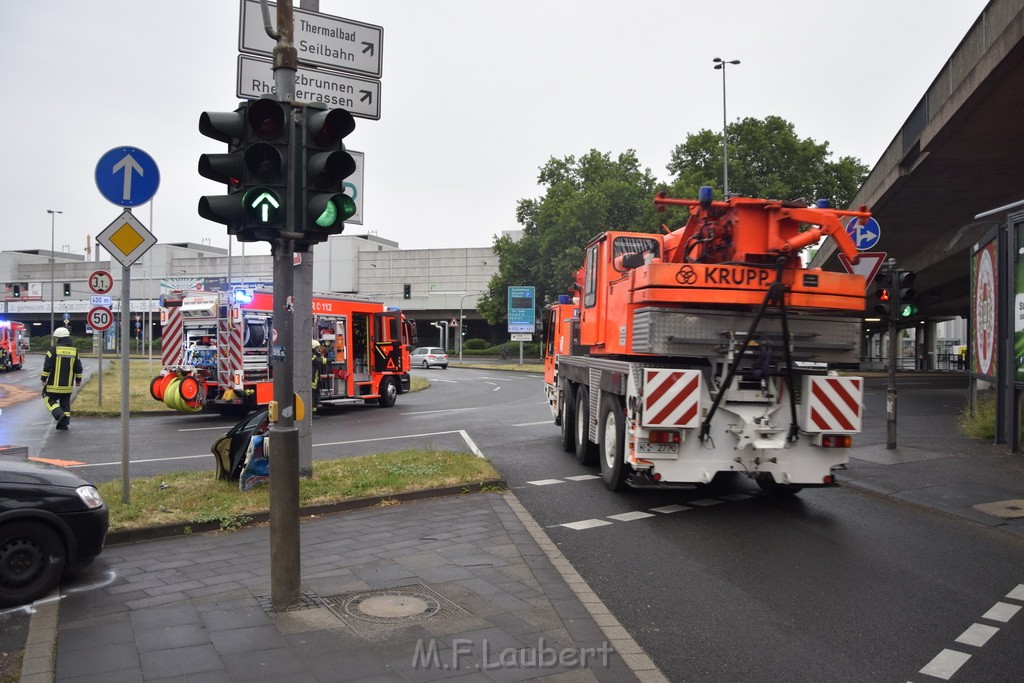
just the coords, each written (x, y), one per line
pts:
(216, 352)
(13, 345)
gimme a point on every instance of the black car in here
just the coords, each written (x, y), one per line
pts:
(230, 449)
(52, 521)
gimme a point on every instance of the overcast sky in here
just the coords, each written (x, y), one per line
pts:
(475, 97)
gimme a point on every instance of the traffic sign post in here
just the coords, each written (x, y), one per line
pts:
(320, 40)
(127, 176)
(127, 240)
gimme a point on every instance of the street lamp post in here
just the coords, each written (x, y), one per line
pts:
(720, 64)
(462, 320)
(53, 221)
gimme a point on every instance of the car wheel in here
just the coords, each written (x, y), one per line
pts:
(568, 425)
(31, 562)
(388, 392)
(613, 443)
(426, 365)
(444, 367)
(585, 450)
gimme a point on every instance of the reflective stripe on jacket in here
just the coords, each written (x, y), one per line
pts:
(61, 369)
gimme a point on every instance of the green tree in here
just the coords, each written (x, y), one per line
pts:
(587, 196)
(766, 159)
(584, 197)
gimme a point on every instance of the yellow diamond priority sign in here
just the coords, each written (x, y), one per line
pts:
(126, 239)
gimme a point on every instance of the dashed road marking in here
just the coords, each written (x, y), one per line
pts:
(546, 482)
(629, 516)
(977, 635)
(948, 662)
(945, 664)
(586, 524)
(704, 502)
(669, 509)
(583, 477)
(1001, 611)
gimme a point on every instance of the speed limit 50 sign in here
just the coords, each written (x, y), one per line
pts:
(100, 318)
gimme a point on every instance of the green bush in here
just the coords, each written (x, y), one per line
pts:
(475, 345)
(979, 423)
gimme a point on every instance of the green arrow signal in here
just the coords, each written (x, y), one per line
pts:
(262, 205)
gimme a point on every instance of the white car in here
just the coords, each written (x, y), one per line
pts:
(428, 357)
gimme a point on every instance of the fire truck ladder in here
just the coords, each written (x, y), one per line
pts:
(775, 296)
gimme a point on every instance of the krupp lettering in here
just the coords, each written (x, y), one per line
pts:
(741, 277)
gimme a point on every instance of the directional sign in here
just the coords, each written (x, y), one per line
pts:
(319, 39)
(100, 282)
(521, 309)
(867, 265)
(865, 234)
(127, 176)
(126, 239)
(360, 96)
(100, 318)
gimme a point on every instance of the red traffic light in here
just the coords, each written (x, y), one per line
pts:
(882, 294)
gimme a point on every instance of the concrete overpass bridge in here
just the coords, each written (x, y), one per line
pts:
(960, 153)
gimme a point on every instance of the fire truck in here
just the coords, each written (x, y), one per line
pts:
(710, 349)
(13, 345)
(216, 351)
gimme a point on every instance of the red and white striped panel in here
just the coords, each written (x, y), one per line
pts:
(229, 352)
(671, 398)
(170, 336)
(833, 404)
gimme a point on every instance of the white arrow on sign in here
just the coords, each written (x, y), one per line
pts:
(868, 265)
(128, 165)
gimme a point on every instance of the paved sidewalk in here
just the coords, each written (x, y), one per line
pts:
(465, 588)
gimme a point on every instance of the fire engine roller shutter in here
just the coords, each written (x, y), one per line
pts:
(831, 404)
(671, 398)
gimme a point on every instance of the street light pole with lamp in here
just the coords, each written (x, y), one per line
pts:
(53, 221)
(462, 320)
(720, 64)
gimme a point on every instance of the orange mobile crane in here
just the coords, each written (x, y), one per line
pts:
(707, 349)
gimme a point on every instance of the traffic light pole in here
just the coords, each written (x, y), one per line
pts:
(285, 564)
(890, 390)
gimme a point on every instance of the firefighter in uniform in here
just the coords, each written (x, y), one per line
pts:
(62, 371)
(319, 363)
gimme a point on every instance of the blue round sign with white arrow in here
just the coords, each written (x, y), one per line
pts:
(865, 234)
(127, 176)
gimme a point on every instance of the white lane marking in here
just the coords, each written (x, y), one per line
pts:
(583, 477)
(135, 462)
(533, 424)
(205, 429)
(977, 635)
(1001, 611)
(586, 524)
(1017, 593)
(704, 502)
(449, 381)
(443, 410)
(496, 389)
(491, 383)
(472, 444)
(669, 509)
(545, 482)
(736, 496)
(945, 664)
(629, 516)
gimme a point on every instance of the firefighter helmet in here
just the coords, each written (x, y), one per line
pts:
(316, 344)
(61, 332)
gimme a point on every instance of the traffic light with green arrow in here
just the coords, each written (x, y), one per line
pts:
(325, 165)
(255, 168)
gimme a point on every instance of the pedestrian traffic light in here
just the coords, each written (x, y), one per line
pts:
(906, 293)
(883, 294)
(325, 165)
(255, 169)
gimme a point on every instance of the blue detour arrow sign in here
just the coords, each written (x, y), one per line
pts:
(127, 176)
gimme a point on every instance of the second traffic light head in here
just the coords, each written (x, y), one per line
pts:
(326, 165)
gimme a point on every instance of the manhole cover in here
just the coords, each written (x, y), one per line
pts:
(371, 611)
(1004, 509)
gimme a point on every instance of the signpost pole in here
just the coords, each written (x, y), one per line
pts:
(890, 390)
(126, 304)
